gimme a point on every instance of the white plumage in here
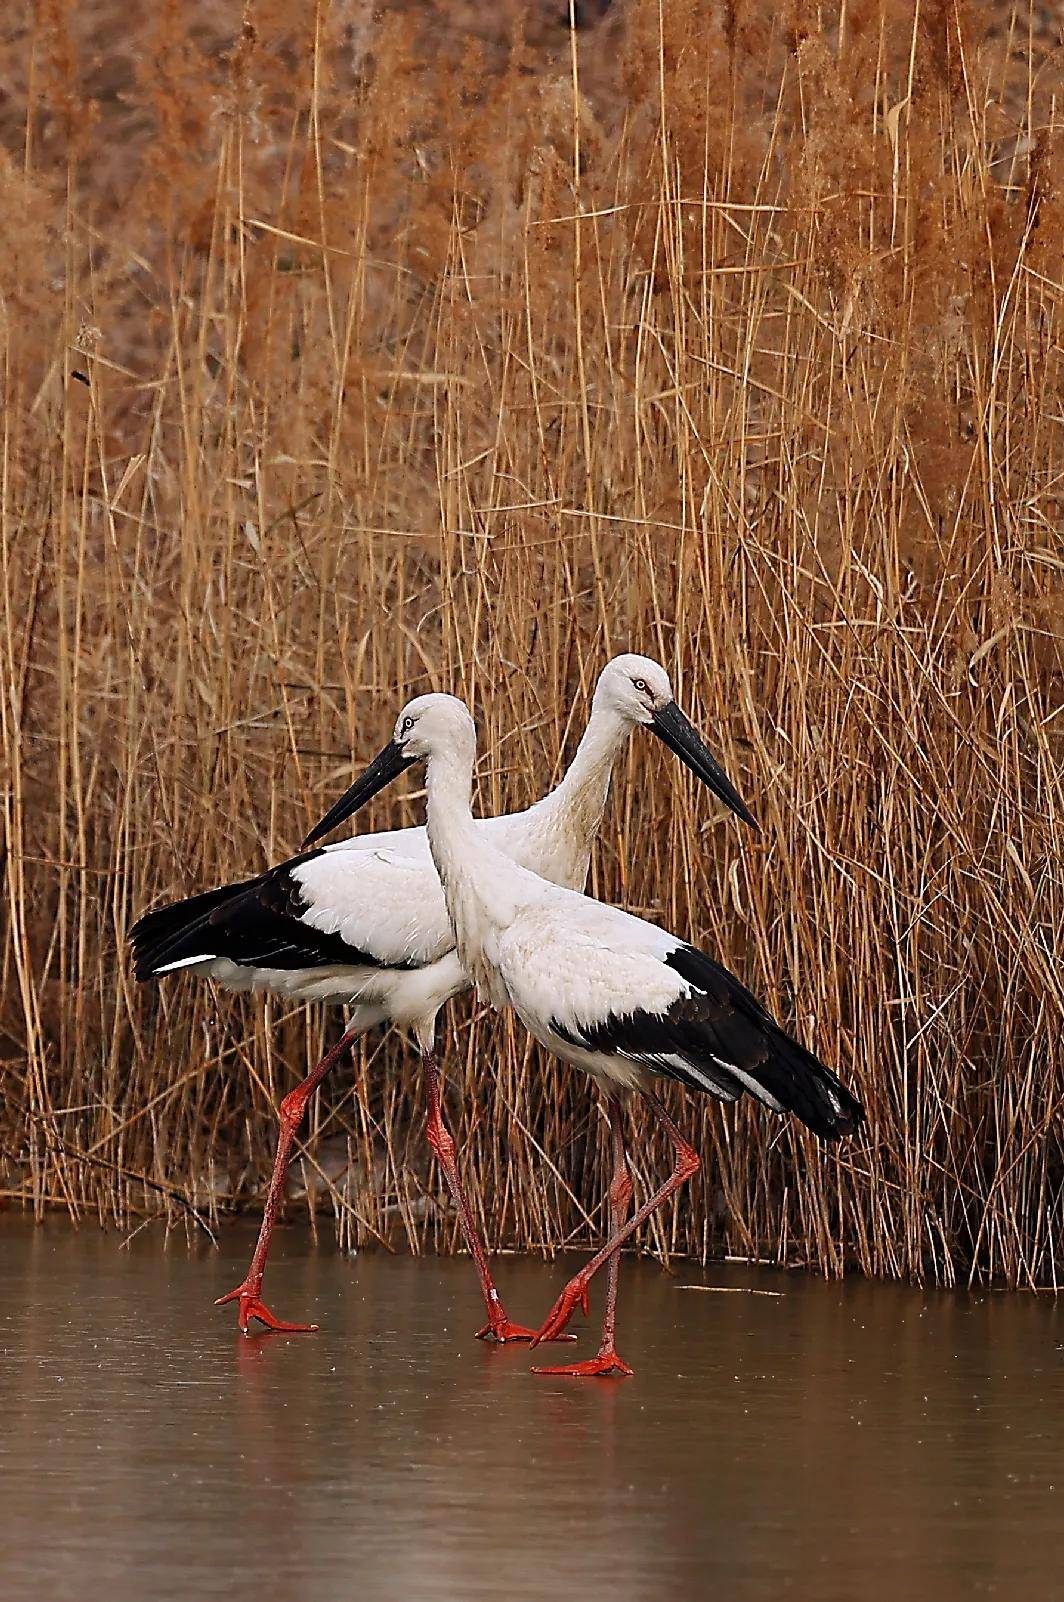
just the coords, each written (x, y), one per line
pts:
(364, 921)
(610, 993)
(379, 897)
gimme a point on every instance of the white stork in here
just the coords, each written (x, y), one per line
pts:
(614, 995)
(364, 922)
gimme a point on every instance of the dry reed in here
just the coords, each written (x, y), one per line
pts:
(342, 359)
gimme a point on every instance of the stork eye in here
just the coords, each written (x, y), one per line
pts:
(406, 725)
(640, 684)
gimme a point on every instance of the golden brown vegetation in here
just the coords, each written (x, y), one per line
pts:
(346, 355)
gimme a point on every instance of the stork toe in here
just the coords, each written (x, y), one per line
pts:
(251, 1306)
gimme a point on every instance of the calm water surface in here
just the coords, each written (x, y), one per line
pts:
(825, 1441)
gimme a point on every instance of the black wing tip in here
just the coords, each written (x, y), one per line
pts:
(258, 923)
(843, 1124)
(847, 1113)
(147, 965)
(817, 1097)
(149, 953)
(790, 1073)
(141, 931)
(172, 931)
(822, 1102)
(150, 932)
(854, 1118)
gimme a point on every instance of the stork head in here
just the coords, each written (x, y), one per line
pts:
(637, 689)
(634, 687)
(430, 725)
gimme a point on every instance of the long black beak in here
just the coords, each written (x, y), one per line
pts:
(382, 770)
(680, 735)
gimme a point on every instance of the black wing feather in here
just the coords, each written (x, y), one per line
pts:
(258, 923)
(748, 1036)
(714, 1033)
(162, 923)
(657, 1040)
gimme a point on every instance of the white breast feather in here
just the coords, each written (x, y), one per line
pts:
(581, 962)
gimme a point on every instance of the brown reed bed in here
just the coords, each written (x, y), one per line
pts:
(353, 356)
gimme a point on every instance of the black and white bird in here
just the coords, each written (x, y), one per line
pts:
(364, 922)
(612, 994)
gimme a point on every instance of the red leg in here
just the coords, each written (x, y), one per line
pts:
(499, 1327)
(606, 1361)
(291, 1113)
(576, 1292)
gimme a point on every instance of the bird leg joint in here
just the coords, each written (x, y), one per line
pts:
(620, 1189)
(688, 1162)
(292, 1108)
(440, 1139)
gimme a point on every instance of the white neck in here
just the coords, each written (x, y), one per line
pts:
(573, 812)
(479, 882)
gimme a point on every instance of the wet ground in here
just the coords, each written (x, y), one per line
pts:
(811, 1440)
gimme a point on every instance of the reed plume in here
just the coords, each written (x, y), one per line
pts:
(352, 354)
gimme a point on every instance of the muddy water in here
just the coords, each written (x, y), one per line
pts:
(822, 1441)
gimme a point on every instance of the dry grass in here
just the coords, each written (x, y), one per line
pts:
(344, 360)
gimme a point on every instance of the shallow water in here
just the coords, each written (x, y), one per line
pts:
(828, 1441)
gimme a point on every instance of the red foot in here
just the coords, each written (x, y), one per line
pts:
(502, 1330)
(251, 1307)
(592, 1367)
(573, 1296)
